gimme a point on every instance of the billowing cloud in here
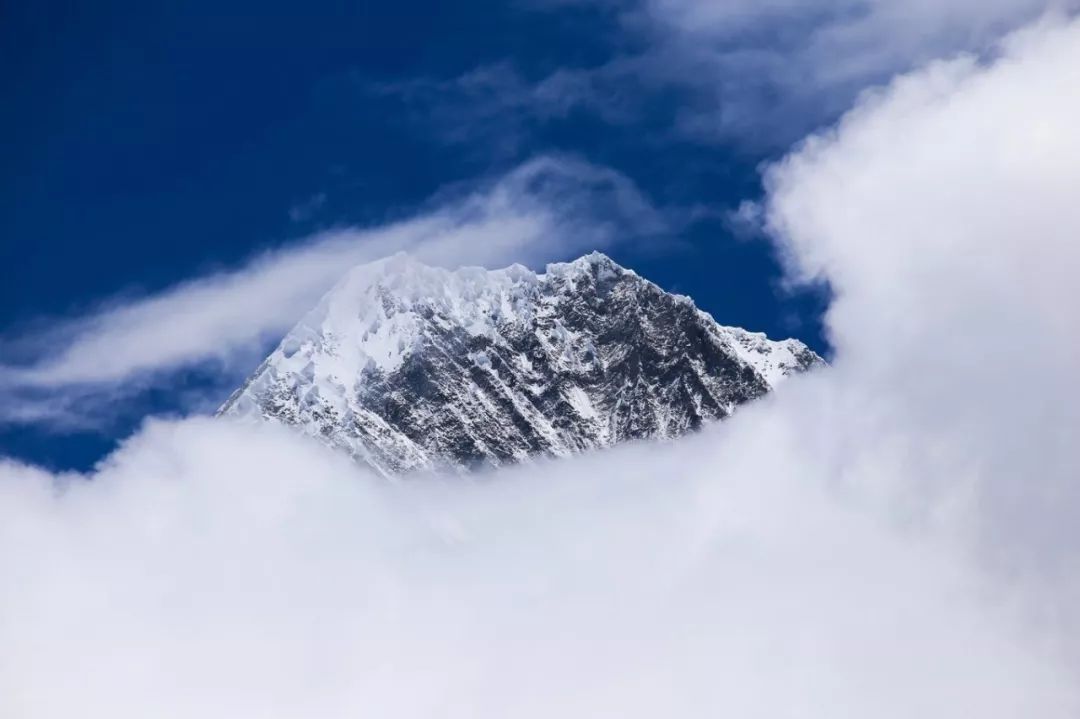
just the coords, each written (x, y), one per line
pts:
(894, 536)
(941, 214)
(218, 570)
(545, 209)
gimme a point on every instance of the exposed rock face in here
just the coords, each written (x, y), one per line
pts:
(409, 367)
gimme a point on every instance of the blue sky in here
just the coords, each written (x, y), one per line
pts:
(160, 143)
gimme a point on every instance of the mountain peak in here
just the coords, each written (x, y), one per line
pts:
(593, 262)
(407, 366)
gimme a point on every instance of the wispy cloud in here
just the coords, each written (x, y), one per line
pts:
(306, 209)
(547, 208)
(498, 107)
(769, 71)
(744, 72)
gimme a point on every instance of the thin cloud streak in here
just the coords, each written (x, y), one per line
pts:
(748, 73)
(545, 209)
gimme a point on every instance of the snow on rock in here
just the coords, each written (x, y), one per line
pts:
(409, 367)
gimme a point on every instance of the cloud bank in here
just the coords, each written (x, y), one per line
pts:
(218, 570)
(940, 212)
(895, 536)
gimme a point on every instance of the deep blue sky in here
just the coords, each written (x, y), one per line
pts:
(150, 142)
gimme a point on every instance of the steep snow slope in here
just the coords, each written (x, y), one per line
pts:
(410, 367)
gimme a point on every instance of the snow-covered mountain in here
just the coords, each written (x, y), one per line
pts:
(409, 367)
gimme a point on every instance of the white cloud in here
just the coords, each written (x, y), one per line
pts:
(211, 569)
(547, 208)
(782, 66)
(942, 214)
(896, 536)
(760, 73)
